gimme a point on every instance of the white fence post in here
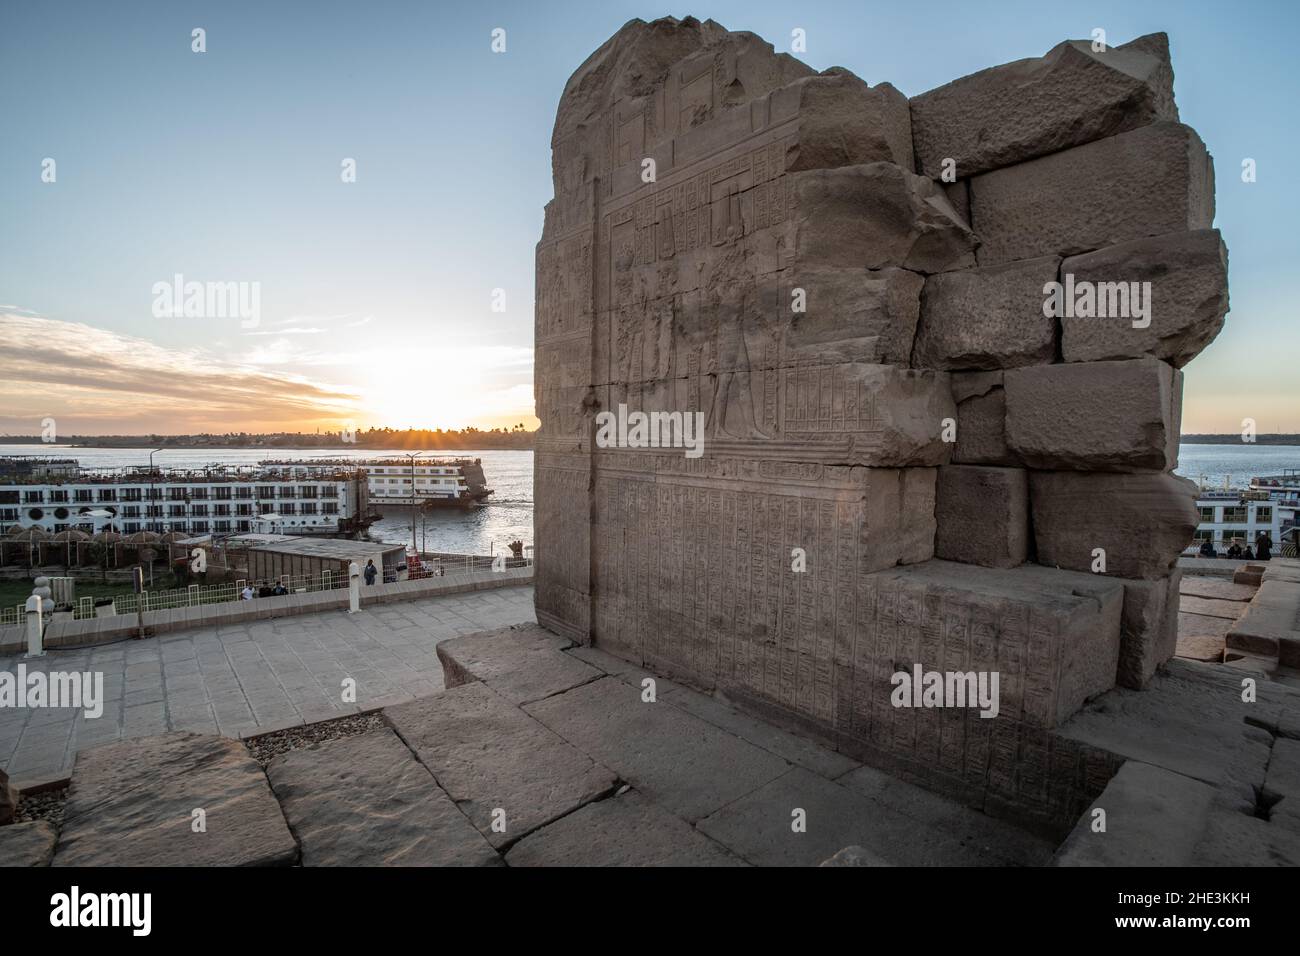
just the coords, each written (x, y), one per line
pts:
(33, 611)
(354, 588)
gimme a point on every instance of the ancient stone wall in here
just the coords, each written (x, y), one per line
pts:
(904, 460)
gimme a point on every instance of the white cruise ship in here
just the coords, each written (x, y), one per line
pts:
(1270, 504)
(410, 481)
(216, 500)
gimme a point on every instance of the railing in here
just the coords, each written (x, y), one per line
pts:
(198, 594)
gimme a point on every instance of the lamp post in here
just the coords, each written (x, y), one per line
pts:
(149, 508)
(414, 544)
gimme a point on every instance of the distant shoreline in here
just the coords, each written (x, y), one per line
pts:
(486, 442)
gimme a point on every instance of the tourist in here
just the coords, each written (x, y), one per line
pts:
(1235, 550)
(1248, 554)
(1263, 546)
(371, 571)
(247, 593)
(264, 589)
(1207, 549)
(279, 590)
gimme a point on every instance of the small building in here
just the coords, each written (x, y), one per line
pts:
(311, 557)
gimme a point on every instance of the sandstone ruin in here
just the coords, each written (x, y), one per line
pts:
(884, 395)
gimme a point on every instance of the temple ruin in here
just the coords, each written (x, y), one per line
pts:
(915, 451)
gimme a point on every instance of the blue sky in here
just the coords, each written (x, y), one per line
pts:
(376, 295)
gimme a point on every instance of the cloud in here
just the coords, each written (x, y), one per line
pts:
(94, 379)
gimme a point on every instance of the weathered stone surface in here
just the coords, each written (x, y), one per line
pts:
(1069, 96)
(1147, 182)
(989, 318)
(1190, 720)
(877, 215)
(1212, 607)
(796, 749)
(852, 315)
(8, 799)
(1271, 623)
(1187, 298)
(1141, 521)
(1149, 629)
(488, 755)
(1201, 585)
(1239, 839)
(132, 803)
(888, 512)
(623, 830)
(1197, 641)
(366, 801)
(981, 419)
(854, 856)
(1077, 621)
(1003, 839)
(844, 122)
(676, 760)
(1283, 780)
(787, 568)
(982, 515)
(521, 663)
(26, 844)
(1098, 416)
(1154, 817)
(758, 828)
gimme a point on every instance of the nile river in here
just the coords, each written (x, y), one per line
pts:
(508, 515)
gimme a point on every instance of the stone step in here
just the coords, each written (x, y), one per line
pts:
(496, 762)
(623, 830)
(522, 663)
(366, 801)
(136, 802)
(27, 844)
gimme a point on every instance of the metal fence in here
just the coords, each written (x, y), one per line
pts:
(197, 594)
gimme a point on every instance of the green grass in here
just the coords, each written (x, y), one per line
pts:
(16, 592)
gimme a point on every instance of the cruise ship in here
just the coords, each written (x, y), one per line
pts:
(1270, 504)
(333, 502)
(410, 481)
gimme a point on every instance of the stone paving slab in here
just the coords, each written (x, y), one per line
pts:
(1190, 720)
(623, 830)
(247, 678)
(759, 827)
(132, 803)
(488, 755)
(1203, 586)
(1154, 817)
(797, 750)
(679, 761)
(522, 663)
(1210, 607)
(997, 840)
(26, 844)
(366, 801)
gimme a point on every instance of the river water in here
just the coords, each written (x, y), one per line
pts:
(508, 515)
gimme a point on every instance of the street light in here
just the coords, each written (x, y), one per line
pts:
(414, 544)
(150, 506)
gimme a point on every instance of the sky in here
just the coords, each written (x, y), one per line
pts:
(405, 298)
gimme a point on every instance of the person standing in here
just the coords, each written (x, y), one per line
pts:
(1263, 546)
(371, 571)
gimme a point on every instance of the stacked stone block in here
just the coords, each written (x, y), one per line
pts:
(1077, 171)
(907, 461)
